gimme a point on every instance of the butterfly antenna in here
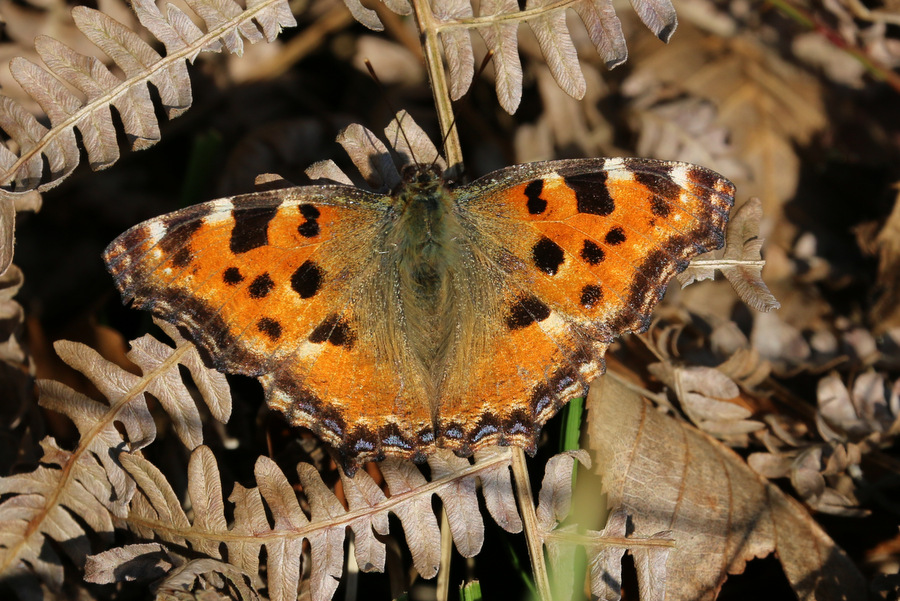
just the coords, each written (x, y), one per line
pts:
(484, 64)
(392, 109)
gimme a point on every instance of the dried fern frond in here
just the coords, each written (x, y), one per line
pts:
(741, 260)
(497, 23)
(89, 482)
(89, 113)
(155, 513)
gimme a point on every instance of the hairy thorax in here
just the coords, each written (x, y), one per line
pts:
(435, 304)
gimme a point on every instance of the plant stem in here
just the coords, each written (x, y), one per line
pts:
(437, 76)
(443, 578)
(532, 533)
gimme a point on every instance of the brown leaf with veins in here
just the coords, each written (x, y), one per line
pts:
(669, 476)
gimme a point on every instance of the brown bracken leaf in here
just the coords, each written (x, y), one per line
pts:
(740, 262)
(669, 476)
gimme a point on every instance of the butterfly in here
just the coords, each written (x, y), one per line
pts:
(430, 315)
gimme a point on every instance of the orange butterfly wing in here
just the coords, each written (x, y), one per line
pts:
(266, 285)
(588, 247)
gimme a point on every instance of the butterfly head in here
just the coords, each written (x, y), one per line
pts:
(420, 182)
(422, 175)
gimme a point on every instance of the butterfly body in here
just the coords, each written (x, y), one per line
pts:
(432, 316)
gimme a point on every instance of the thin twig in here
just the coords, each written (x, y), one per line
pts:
(532, 534)
(437, 76)
(443, 577)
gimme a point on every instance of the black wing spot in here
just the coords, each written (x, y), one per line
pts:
(183, 257)
(309, 211)
(307, 280)
(526, 311)
(547, 256)
(261, 286)
(591, 194)
(269, 327)
(310, 227)
(251, 228)
(536, 204)
(232, 276)
(615, 236)
(181, 227)
(592, 253)
(335, 331)
(591, 295)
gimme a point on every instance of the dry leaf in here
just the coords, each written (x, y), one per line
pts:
(705, 395)
(748, 83)
(740, 262)
(668, 476)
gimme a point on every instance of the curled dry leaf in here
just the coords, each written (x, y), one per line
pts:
(147, 561)
(872, 409)
(706, 397)
(172, 573)
(669, 476)
(741, 261)
(778, 341)
(12, 316)
(818, 474)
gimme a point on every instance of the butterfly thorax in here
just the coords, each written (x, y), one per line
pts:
(428, 292)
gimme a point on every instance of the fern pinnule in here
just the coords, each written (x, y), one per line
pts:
(460, 502)
(552, 35)
(363, 494)
(457, 45)
(100, 89)
(740, 261)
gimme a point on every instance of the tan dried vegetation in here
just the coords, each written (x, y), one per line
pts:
(726, 434)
